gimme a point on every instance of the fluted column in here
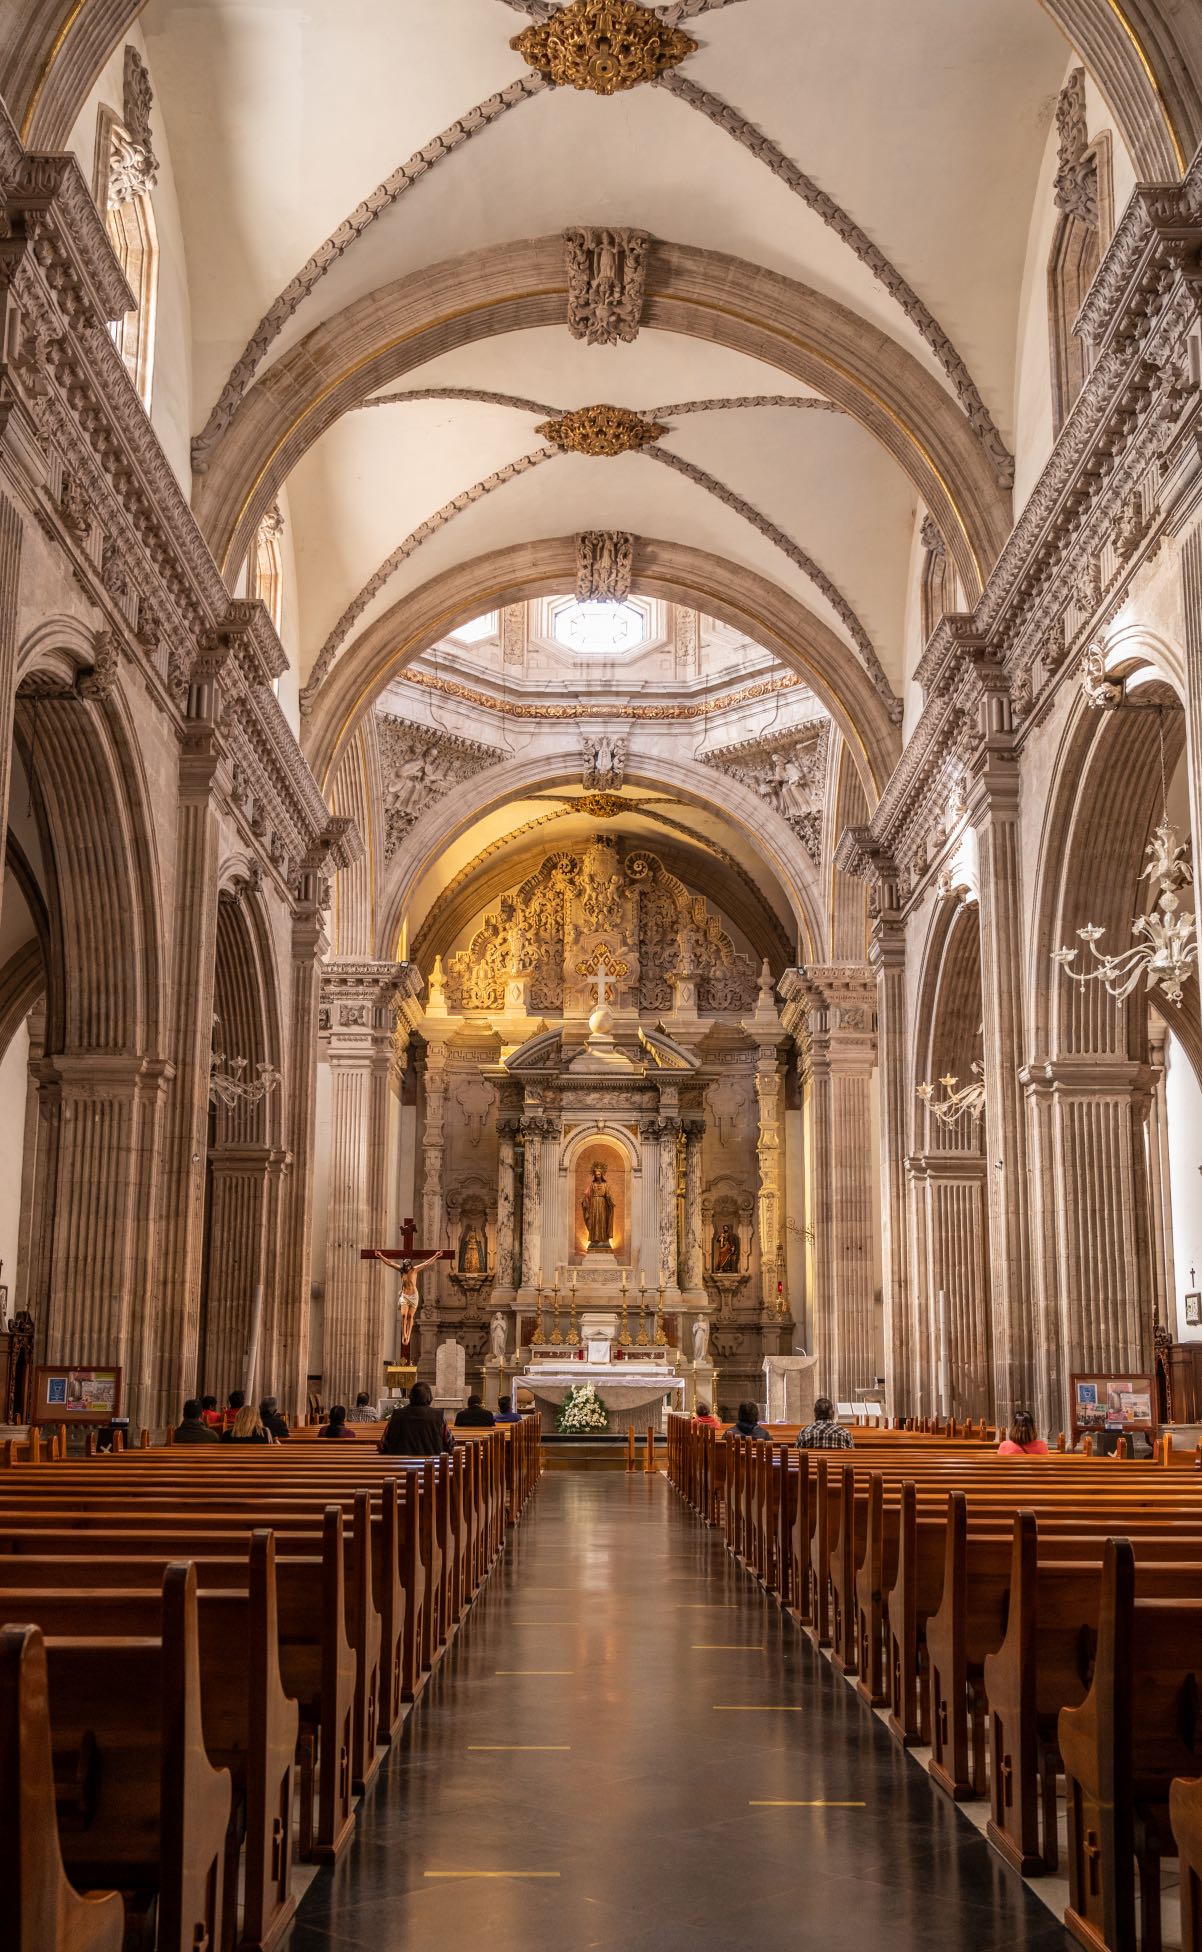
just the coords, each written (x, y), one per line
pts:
(993, 811)
(434, 1147)
(237, 1265)
(1088, 1119)
(357, 1001)
(887, 957)
(1164, 1276)
(768, 1092)
(292, 1328)
(951, 1229)
(532, 1200)
(10, 574)
(507, 1130)
(830, 1008)
(694, 1262)
(1191, 591)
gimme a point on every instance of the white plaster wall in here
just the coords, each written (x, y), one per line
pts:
(171, 387)
(1033, 368)
(288, 689)
(14, 1079)
(1183, 1100)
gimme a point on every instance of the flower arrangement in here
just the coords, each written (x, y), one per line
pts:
(581, 1411)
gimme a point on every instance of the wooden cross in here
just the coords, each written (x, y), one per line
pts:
(407, 1251)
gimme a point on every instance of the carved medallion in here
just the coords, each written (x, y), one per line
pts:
(602, 45)
(601, 430)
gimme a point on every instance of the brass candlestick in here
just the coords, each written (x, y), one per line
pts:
(538, 1318)
(641, 1338)
(661, 1340)
(624, 1326)
(573, 1325)
(556, 1338)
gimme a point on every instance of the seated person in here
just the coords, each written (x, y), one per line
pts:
(234, 1402)
(417, 1430)
(824, 1433)
(1021, 1440)
(273, 1421)
(247, 1427)
(505, 1411)
(194, 1429)
(747, 1423)
(336, 1428)
(209, 1412)
(703, 1414)
(475, 1416)
(364, 1410)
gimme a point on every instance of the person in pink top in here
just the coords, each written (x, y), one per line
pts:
(1021, 1441)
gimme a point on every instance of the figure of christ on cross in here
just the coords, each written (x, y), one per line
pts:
(410, 1261)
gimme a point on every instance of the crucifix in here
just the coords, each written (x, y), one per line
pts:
(409, 1261)
(602, 978)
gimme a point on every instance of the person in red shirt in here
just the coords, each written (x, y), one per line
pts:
(1021, 1440)
(703, 1414)
(209, 1413)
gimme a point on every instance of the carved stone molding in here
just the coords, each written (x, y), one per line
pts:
(788, 772)
(602, 763)
(932, 540)
(604, 565)
(133, 167)
(601, 431)
(604, 46)
(607, 271)
(1076, 187)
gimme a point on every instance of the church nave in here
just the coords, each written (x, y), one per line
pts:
(629, 1746)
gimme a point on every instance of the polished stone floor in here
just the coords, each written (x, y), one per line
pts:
(628, 1747)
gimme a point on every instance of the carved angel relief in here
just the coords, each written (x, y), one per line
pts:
(420, 766)
(789, 772)
(606, 270)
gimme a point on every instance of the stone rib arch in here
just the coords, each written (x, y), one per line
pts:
(775, 841)
(669, 570)
(702, 294)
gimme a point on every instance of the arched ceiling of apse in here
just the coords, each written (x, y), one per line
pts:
(1146, 58)
(672, 571)
(478, 887)
(700, 294)
(775, 860)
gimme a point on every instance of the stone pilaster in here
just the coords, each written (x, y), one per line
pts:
(292, 1331)
(993, 812)
(10, 576)
(1094, 1261)
(1160, 1196)
(1191, 591)
(668, 1132)
(532, 1199)
(887, 957)
(237, 1266)
(434, 1149)
(950, 1238)
(357, 1005)
(831, 1009)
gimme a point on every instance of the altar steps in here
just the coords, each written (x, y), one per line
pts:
(592, 1453)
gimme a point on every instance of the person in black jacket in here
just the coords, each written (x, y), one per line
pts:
(748, 1423)
(475, 1416)
(194, 1429)
(417, 1430)
(273, 1421)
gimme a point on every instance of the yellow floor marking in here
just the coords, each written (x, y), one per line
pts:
(726, 1647)
(755, 1708)
(534, 1670)
(522, 1748)
(708, 1606)
(782, 1803)
(490, 1873)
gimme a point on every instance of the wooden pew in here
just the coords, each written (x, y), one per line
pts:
(43, 1911)
(1185, 1814)
(1135, 1731)
(149, 1813)
(250, 1725)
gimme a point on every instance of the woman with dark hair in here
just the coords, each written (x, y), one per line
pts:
(1021, 1440)
(336, 1428)
(748, 1423)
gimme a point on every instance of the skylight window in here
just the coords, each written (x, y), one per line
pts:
(600, 629)
(478, 629)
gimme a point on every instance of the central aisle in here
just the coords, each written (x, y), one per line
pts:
(652, 1756)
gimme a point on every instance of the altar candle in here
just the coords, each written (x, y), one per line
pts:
(539, 1276)
(642, 1281)
(573, 1278)
(624, 1279)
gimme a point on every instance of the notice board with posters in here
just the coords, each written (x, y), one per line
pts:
(75, 1393)
(1119, 1404)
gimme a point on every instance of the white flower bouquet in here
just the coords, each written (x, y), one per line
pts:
(581, 1411)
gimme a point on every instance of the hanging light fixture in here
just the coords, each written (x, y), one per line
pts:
(228, 1084)
(958, 1101)
(1166, 945)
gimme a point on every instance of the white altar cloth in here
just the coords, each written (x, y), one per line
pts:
(625, 1388)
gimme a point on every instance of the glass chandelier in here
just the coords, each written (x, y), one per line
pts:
(958, 1101)
(228, 1084)
(1166, 945)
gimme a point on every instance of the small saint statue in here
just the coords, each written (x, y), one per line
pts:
(471, 1251)
(597, 1207)
(409, 1301)
(725, 1257)
(701, 1340)
(499, 1335)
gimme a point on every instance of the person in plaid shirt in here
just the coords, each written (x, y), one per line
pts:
(824, 1433)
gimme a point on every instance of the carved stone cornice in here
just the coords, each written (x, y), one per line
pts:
(81, 452)
(362, 1004)
(829, 998)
